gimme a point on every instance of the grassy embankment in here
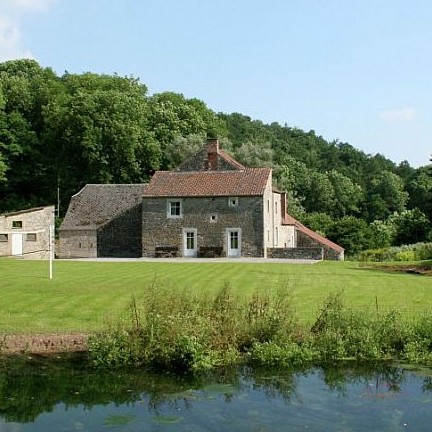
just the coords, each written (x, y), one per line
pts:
(89, 296)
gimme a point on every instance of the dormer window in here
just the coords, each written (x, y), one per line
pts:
(232, 201)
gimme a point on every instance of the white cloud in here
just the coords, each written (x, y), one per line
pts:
(11, 40)
(26, 5)
(398, 114)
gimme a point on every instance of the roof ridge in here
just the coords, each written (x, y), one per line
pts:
(228, 158)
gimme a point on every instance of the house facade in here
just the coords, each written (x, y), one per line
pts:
(27, 233)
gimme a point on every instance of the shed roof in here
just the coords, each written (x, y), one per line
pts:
(30, 210)
(97, 204)
(289, 220)
(245, 182)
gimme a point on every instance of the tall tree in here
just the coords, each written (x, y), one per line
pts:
(348, 195)
(386, 196)
(98, 131)
(254, 155)
(171, 115)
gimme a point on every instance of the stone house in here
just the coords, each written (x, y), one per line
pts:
(26, 233)
(103, 220)
(214, 206)
(210, 206)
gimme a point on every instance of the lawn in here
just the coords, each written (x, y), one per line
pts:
(88, 296)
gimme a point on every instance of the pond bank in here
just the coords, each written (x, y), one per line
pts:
(43, 343)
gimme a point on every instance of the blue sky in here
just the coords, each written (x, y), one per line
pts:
(359, 71)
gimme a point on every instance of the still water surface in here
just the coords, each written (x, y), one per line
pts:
(38, 395)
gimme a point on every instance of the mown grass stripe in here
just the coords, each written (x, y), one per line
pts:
(86, 295)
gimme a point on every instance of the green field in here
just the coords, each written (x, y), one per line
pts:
(89, 296)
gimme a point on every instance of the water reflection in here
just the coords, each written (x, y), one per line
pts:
(36, 393)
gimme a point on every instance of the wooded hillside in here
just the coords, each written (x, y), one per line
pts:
(58, 133)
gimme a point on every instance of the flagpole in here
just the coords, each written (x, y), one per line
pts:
(50, 253)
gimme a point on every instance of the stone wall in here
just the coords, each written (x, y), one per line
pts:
(121, 237)
(77, 243)
(329, 254)
(31, 228)
(310, 253)
(210, 216)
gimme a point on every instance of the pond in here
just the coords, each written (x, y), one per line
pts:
(39, 394)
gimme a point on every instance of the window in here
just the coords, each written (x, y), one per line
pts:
(213, 217)
(17, 224)
(234, 240)
(190, 240)
(31, 237)
(268, 206)
(233, 201)
(174, 209)
(3, 237)
(276, 207)
(277, 236)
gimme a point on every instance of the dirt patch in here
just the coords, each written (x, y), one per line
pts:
(43, 343)
(425, 270)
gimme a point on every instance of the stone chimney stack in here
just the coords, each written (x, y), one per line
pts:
(211, 163)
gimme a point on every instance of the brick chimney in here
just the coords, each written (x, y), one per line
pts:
(211, 163)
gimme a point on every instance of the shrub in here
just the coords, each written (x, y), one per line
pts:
(181, 332)
(185, 333)
(288, 354)
(413, 252)
(114, 349)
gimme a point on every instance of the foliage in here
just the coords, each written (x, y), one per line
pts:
(181, 148)
(352, 233)
(414, 252)
(386, 195)
(320, 222)
(189, 333)
(213, 333)
(252, 154)
(411, 226)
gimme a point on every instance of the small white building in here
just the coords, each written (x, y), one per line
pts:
(26, 233)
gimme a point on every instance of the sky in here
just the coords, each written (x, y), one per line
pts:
(355, 71)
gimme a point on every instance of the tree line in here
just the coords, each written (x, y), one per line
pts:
(58, 133)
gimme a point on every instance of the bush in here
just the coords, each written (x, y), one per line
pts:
(182, 333)
(288, 354)
(413, 252)
(179, 332)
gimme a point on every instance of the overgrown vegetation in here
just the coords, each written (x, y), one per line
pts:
(412, 252)
(180, 332)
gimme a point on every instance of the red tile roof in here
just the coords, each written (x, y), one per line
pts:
(289, 220)
(249, 181)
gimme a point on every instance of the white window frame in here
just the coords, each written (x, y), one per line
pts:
(170, 203)
(229, 250)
